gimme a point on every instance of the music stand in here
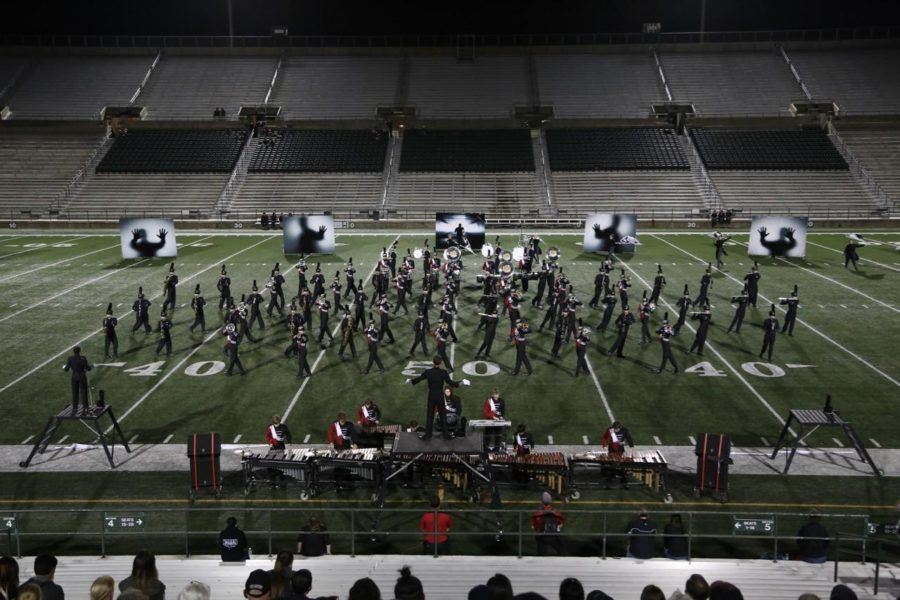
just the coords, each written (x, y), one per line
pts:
(90, 417)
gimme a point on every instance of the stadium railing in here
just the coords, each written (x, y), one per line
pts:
(365, 530)
(865, 544)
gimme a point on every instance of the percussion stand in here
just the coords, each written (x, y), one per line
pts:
(90, 418)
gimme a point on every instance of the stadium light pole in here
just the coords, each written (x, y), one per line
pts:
(702, 19)
(231, 26)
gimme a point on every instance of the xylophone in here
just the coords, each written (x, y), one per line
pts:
(361, 463)
(446, 466)
(648, 467)
(279, 467)
(551, 468)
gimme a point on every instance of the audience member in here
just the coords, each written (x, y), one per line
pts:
(435, 525)
(842, 592)
(675, 544)
(144, 577)
(501, 586)
(30, 591)
(722, 590)
(281, 574)
(651, 592)
(132, 594)
(641, 537)
(571, 589)
(233, 543)
(547, 524)
(301, 584)
(481, 592)
(695, 588)
(808, 597)
(195, 590)
(44, 570)
(103, 588)
(813, 550)
(364, 589)
(258, 585)
(598, 595)
(313, 539)
(9, 578)
(408, 587)
(529, 596)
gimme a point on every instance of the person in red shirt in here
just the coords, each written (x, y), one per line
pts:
(547, 524)
(435, 525)
(616, 439)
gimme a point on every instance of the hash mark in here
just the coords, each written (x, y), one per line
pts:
(693, 440)
(306, 439)
(843, 305)
(838, 442)
(31, 437)
(237, 438)
(764, 441)
(550, 439)
(657, 440)
(584, 439)
(62, 439)
(168, 438)
(133, 438)
(874, 443)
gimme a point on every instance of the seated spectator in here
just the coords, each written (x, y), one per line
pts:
(258, 585)
(195, 590)
(435, 525)
(301, 583)
(842, 592)
(233, 543)
(364, 589)
(30, 591)
(529, 596)
(598, 595)
(695, 588)
(313, 539)
(651, 592)
(408, 587)
(281, 574)
(144, 577)
(641, 537)
(675, 543)
(571, 589)
(103, 588)
(501, 586)
(722, 590)
(547, 524)
(813, 550)
(808, 596)
(9, 578)
(44, 570)
(132, 594)
(480, 592)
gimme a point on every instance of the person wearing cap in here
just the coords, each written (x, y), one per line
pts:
(520, 340)
(441, 337)
(385, 318)
(278, 286)
(232, 349)
(720, 249)
(751, 279)
(705, 281)
(581, 343)
(547, 524)
(644, 310)
(490, 319)
(610, 301)
(254, 301)
(419, 331)
(170, 285)
(684, 305)
(109, 332)
(350, 274)
(318, 281)
(233, 542)
(141, 308)
(641, 537)
(301, 342)
(79, 366)
(601, 283)
(164, 328)
(224, 286)
(275, 294)
(372, 336)
(741, 300)
(258, 585)
(197, 304)
(793, 303)
(705, 318)
(665, 334)
(770, 331)
(659, 282)
(336, 288)
(623, 322)
(359, 304)
(851, 255)
(347, 331)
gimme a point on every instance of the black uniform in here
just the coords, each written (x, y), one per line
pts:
(324, 307)
(336, 288)
(110, 339)
(171, 285)
(665, 338)
(224, 287)
(437, 378)
(623, 286)
(739, 312)
(231, 349)
(770, 328)
(350, 273)
(702, 297)
(164, 328)
(791, 317)
(141, 308)
(273, 298)
(752, 281)
(490, 331)
(359, 317)
(79, 366)
(384, 314)
(610, 301)
(684, 305)
(255, 300)
(372, 337)
(659, 282)
(702, 330)
(851, 255)
(420, 331)
(197, 304)
(442, 337)
(581, 342)
(601, 281)
(301, 341)
(623, 322)
(521, 351)
(720, 250)
(347, 331)
(644, 317)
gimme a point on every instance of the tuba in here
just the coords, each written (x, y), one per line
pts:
(506, 269)
(452, 254)
(506, 255)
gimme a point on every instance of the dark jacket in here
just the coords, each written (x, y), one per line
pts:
(49, 590)
(641, 538)
(436, 378)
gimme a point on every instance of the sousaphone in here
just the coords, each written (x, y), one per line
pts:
(506, 255)
(553, 253)
(506, 268)
(452, 254)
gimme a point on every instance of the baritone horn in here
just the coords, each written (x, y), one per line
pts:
(506, 255)
(518, 253)
(553, 253)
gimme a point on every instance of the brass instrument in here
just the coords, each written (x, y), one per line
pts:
(452, 254)
(506, 255)
(506, 268)
(553, 253)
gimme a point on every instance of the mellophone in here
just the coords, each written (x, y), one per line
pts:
(551, 468)
(648, 467)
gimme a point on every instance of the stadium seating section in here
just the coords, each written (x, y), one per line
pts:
(648, 193)
(877, 148)
(287, 192)
(114, 195)
(492, 150)
(615, 150)
(174, 151)
(764, 149)
(818, 193)
(317, 150)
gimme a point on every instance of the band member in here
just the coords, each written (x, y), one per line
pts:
(437, 378)
(224, 287)
(601, 282)
(231, 349)
(305, 305)
(684, 305)
(704, 317)
(197, 304)
(318, 281)
(851, 255)
(301, 275)
(294, 319)
(644, 310)
(169, 286)
(770, 329)
(276, 294)
(557, 341)
(441, 337)
(109, 332)
(341, 433)
(277, 434)
(623, 322)
(347, 332)
(456, 423)
(336, 288)
(495, 410)
(665, 339)
(301, 342)
(350, 274)
(741, 300)
(384, 314)
(164, 328)
(448, 311)
(79, 366)
(141, 308)
(610, 301)
(291, 350)
(720, 249)
(623, 285)
(519, 339)
(419, 331)
(368, 414)
(793, 302)
(581, 343)
(239, 318)
(372, 336)
(359, 318)
(752, 281)
(523, 442)
(659, 283)
(705, 281)
(324, 308)
(544, 275)
(616, 439)
(254, 301)
(404, 285)
(490, 319)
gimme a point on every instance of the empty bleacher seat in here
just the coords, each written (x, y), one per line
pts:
(498, 195)
(489, 150)
(309, 192)
(654, 194)
(641, 149)
(174, 151)
(860, 81)
(877, 148)
(767, 149)
(320, 150)
(111, 195)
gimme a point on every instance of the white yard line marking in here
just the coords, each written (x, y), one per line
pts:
(764, 441)
(584, 440)
(874, 443)
(62, 439)
(596, 381)
(801, 321)
(693, 440)
(841, 252)
(657, 440)
(59, 262)
(97, 331)
(237, 438)
(81, 237)
(133, 439)
(168, 438)
(302, 387)
(549, 440)
(306, 438)
(837, 442)
(31, 437)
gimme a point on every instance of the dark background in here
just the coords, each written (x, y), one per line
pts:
(357, 17)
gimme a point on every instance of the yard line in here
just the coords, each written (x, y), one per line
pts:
(841, 252)
(81, 237)
(609, 411)
(716, 352)
(96, 331)
(31, 437)
(838, 442)
(764, 441)
(237, 438)
(306, 379)
(168, 438)
(801, 321)
(63, 439)
(306, 438)
(59, 262)
(874, 443)
(693, 440)
(657, 440)
(584, 439)
(133, 438)
(550, 439)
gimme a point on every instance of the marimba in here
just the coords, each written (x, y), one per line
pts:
(277, 467)
(551, 468)
(647, 467)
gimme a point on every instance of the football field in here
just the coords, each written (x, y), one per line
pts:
(55, 288)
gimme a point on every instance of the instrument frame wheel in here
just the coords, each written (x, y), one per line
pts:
(305, 495)
(574, 495)
(667, 498)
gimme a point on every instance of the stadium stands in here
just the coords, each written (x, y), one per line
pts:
(11, 68)
(877, 148)
(493, 150)
(318, 150)
(302, 192)
(731, 83)
(77, 87)
(615, 149)
(499, 195)
(335, 87)
(174, 151)
(599, 85)
(767, 149)
(111, 195)
(860, 81)
(39, 163)
(442, 87)
(659, 194)
(192, 87)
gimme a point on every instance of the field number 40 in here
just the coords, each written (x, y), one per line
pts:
(758, 369)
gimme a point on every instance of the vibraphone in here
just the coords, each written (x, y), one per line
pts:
(594, 468)
(278, 467)
(551, 468)
(452, 468)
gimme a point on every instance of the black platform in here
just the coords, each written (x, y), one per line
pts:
(90, 417)
(409, 443)
(808, 421)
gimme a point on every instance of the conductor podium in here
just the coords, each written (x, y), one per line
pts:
(91, 418)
